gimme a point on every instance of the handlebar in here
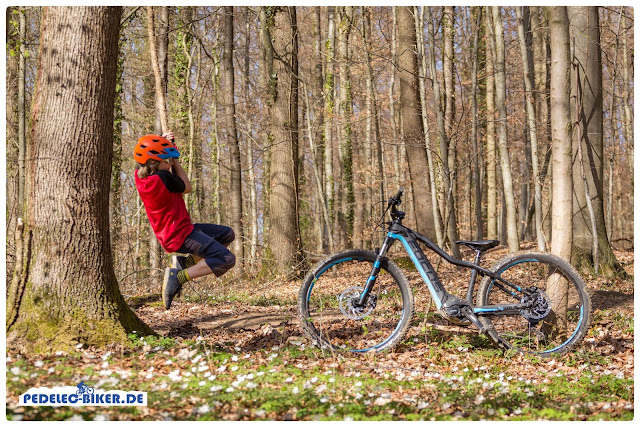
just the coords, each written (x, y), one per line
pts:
(396, 200)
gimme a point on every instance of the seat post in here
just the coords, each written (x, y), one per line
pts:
(472, 279)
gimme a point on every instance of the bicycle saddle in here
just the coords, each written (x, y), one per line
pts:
(479, 245)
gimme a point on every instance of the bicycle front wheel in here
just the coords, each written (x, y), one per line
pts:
(559, 313)
(330, 317)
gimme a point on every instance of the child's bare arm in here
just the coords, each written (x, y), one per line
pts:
(177, 169)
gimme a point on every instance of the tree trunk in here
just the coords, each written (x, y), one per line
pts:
(449, 117)
(628, 113)
(587, 93)
(562, 233)
(492, 186)
(474, 125)
(346, 132)
(505, 162)
(284, 236)
(68, 293)
(392, 102)
(410, 110)
(447, 181)
(158, 47)
(228, 91)
(318, 103)
(251, 167)
(422, 64)
(526, 51)
(329, 106)
(373, 122)
(22, 132)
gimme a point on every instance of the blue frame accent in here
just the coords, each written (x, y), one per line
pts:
(415, 261)
(322, 271)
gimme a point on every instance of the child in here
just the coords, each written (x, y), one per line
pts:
(161, 181)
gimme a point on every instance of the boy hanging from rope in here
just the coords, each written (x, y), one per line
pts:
(161, 181)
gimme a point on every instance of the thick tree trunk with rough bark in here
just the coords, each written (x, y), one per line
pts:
(228, 90)
(68, 293)
(588, 170)
(284, 236)
(412, 122)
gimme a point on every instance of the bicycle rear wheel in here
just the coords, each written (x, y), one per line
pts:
(330, 318)
(560, 316)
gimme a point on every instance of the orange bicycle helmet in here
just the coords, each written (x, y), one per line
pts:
(154, 147)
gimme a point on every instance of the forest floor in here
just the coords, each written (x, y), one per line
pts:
(235, 351)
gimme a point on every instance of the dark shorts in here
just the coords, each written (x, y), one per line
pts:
(210, 241)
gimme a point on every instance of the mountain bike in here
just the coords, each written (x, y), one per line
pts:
(361, 301)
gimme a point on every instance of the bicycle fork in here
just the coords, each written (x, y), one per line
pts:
(371, 281)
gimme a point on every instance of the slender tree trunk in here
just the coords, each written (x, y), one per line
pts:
(329, 106)
(474, 125)
(373, 121)
(505, 163)
(158, 50)
(492, 186)
(447, 181)
(392, 102)
(449, 117)
(526, 51)
(22, 132)
(228, 94)
(628, 112)
(562, 232)
(422, 65)
(346, 131)
(251, 167)
(318, 103)
(412, 123)
(67, 292)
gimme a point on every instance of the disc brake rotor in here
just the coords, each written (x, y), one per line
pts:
(347, 301)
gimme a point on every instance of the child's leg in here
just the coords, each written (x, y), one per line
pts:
(223, 234)
(202, 243)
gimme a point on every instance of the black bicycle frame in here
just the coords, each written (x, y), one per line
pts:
(409, 240)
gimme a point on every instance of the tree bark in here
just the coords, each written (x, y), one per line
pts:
(410, 110)
(587, 93)
(422, 64)
(158, 47)
(561, 209)
(329, 107)
(505, 162)
(346, 224)
(447, 181)
(228, 93)
(284, 236)
(474, 125)
(68, 293)
(492, 186)
(373, 120)
(526, 51)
